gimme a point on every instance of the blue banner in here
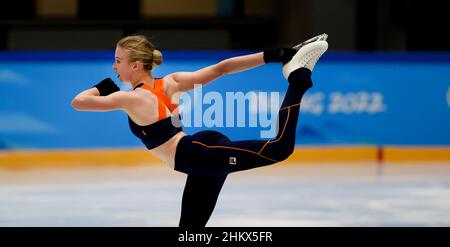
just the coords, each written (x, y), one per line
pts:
(357, 99)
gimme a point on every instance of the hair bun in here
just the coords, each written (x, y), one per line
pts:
(157, 58)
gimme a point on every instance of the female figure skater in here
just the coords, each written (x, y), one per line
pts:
(207, 157)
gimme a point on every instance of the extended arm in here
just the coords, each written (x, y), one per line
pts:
(185, 80)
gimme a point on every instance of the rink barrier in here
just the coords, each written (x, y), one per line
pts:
(418, 154)
(302, 155)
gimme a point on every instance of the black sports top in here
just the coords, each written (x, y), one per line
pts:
(161, 131)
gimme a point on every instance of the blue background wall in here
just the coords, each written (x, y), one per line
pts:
(373, 98)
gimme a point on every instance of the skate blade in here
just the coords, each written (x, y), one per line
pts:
(323, 36)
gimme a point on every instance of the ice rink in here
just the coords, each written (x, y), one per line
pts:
(280, 195)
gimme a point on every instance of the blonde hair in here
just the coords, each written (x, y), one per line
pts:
(140, 49)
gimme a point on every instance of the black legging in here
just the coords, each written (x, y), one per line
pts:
(209, 156)
(199, 199)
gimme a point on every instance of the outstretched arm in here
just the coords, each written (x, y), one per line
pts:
(185, 80)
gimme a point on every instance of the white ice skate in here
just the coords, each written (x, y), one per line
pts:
(307, 55)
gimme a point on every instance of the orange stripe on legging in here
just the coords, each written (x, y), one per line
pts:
(234, 148)
(284, 127)
(253, 152)
(290, 106)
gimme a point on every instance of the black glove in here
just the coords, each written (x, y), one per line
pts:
(107, 87)
(283, 55)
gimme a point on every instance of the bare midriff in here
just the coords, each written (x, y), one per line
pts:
(166, 151)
